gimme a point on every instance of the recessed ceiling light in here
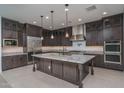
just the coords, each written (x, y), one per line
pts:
(47, 17)
(79, 19)
(34, 22)
(63, 24)
(66, 9)
(50, 27)
(104, 13)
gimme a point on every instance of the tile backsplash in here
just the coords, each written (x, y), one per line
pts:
(12, 49)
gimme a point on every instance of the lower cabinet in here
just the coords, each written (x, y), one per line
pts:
(70, 72)
(61, 69)
(47, 66)
(99, 62)
(9, 62)
(40, 64)
(57, 68)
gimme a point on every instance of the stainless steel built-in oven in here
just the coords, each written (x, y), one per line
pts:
(112, 52)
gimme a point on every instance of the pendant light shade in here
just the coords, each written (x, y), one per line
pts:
(66, 10)
(66, 35)
(52, 36)
(42, 26)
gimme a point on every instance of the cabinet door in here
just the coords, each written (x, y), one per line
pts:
(20, 38)
(7, 62)
(100, 40)
(99, 61)
(91, 38)
(70, 72)
(16, 61)
(47, 66)
(33, 30)
(8, 34)
(57, 68)
(23, 60)
(40, 64)
(114, 33)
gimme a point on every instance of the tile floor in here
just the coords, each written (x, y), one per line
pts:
(23, 77)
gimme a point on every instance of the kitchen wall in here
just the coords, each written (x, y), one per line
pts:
(0, 48)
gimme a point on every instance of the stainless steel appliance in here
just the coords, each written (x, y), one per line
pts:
(112, 52)
(10, 42)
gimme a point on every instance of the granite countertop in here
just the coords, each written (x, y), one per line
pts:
(80, 59)
(93, 52)
(13, 54)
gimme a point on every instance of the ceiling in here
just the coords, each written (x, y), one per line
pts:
(27, 13)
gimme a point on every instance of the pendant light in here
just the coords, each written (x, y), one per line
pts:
(52, 37)
(66, 10)
(42, 26)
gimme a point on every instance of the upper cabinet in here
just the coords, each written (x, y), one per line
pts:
(113, 21)
(33, 30)
(106, 29)
(9, 24)
(14, 30)
(94, 33)
(59, 37)
(112, 27)
(9, 29)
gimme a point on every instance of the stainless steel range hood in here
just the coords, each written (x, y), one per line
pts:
(78, 33)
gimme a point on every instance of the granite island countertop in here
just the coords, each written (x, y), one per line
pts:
(79, 59)
(13, 54)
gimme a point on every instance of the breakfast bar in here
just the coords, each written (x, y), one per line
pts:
(71, 68)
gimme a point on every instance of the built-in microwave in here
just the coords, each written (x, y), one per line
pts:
(10, 42)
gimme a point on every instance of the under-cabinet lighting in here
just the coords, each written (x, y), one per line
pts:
(79, 19)
(63, 24)
(34, 22)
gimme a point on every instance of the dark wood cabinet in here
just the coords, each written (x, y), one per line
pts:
(113, 21)
(9, 29)
(14, 30)
(9, 24)
(21, 35)
(8, 34)
(9, 62)
(70, 71)
(94, 33)
(112, 27)
(108, 28)
(57, 68)
(33, 30)
(47, 66)
(114, 33)
(59, 37)
(99, 61)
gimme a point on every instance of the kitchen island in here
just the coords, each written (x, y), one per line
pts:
(72, 68)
